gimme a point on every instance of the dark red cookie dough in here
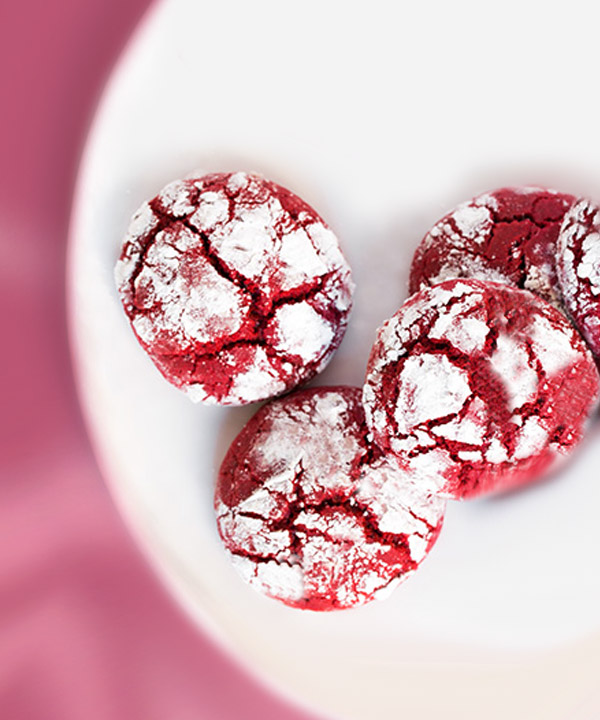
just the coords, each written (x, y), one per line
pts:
(478, 387)
(314, 516)
(507, 236)
(578, 267)
(234, 286)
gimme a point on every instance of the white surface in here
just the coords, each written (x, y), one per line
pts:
(383, 120)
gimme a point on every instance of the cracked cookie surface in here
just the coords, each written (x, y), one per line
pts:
(578, 267)
(478, 387)
(234, 286)
(312, 514)
(508, 235)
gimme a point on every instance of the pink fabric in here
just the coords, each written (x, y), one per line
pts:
(86, 632)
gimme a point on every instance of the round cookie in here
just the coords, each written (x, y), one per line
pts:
(314, 516)
(478, 387)
(508, 235)
(234, 286)
(578, 267)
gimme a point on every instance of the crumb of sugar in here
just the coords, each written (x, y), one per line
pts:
(444, 392)
(511, 362)
(300, 330)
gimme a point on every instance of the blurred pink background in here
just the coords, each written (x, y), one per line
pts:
(86, 632)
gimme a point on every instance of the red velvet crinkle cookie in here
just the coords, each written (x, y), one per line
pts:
(314, 516)
(478, 387)
(578, 266)
(507, 236)
(234, 286)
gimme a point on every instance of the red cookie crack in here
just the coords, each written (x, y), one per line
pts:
(478, 387)
(234, 286)
(507, 236)
(578, 266)
(312, 514)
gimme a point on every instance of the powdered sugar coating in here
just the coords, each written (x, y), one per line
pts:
(234, 286)
(506, 236)
(314, 516)
(477, 416)
(578, 266)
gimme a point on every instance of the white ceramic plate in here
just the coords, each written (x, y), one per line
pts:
(382, 119)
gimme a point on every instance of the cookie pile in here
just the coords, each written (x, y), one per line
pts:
(482, 381)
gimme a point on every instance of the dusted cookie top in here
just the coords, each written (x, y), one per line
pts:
(478, 387)
(507, 236)
(578, 265)
(314, 516)
(234, 286)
